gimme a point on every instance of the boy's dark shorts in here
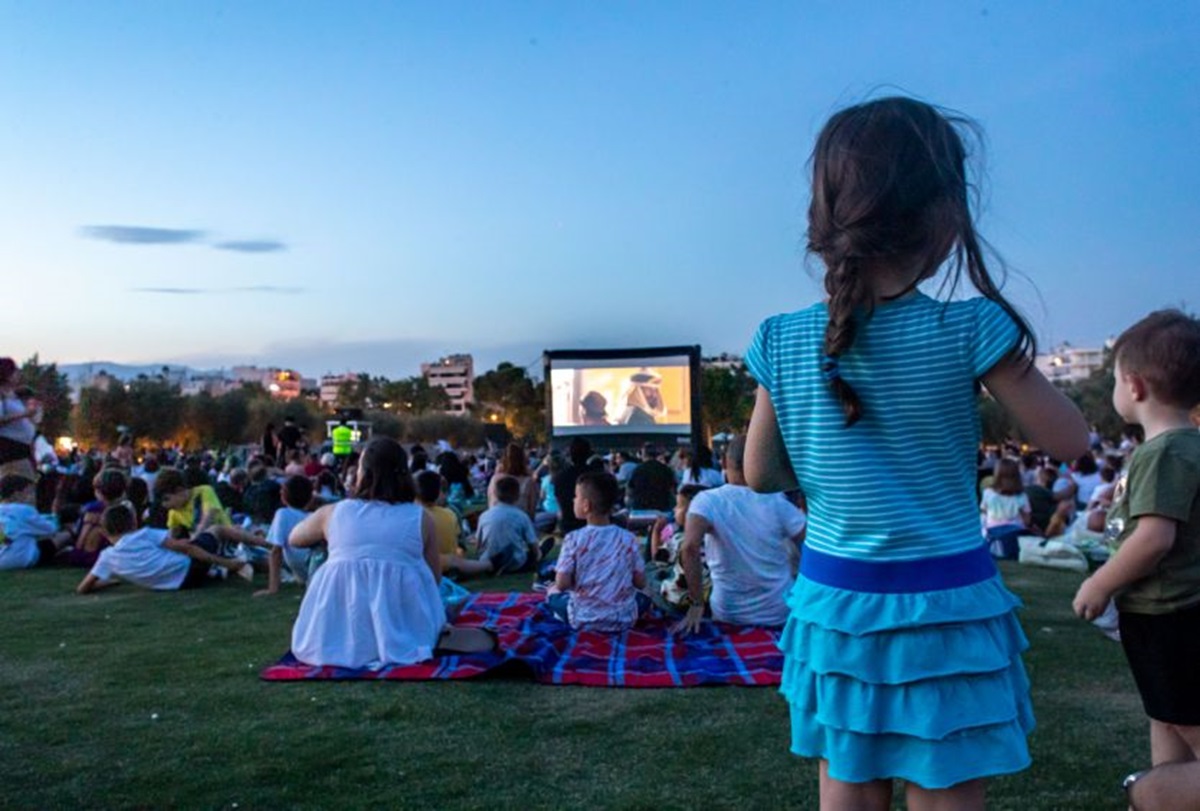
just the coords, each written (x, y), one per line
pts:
(1164, 654)
(198, 572)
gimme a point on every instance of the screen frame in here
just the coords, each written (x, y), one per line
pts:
(632, 439)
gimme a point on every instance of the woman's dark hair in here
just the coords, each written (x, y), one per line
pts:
(514, 461)
(455, 472)
(8, 370)
(890, 189)
(385, 475)
(702, 458)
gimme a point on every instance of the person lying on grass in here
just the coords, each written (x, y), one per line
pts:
(599, 573)
(151, 559)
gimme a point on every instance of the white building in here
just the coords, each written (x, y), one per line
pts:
(1069, 364)
(332, 384)
(283, 384)
(726, 361)
(455, 374)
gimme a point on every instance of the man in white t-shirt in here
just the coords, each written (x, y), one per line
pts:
(751, 544)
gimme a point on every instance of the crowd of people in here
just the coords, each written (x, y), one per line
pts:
(902, 650)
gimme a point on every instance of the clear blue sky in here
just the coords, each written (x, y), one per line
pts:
(360, 186)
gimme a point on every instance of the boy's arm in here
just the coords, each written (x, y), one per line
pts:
(91, 583)
(689, 556)
(564, 567)
(1136, 558)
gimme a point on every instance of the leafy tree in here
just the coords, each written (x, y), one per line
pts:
(415, 396)
(509, 392)
(52, 391)
(102, 407)
(1094, 398)
(726, 399)
(156, 408)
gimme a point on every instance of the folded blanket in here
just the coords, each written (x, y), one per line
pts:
(530, 639)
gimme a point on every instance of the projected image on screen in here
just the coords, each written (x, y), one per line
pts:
(616, 396)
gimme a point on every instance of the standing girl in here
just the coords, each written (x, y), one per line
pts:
(902, 651)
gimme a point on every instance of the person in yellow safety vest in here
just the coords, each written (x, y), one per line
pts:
(343, 443)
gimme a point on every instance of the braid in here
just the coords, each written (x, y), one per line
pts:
(847, 292)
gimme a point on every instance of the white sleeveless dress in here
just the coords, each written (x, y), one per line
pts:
(374, 601)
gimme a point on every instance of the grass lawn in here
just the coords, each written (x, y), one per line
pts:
(129, 698)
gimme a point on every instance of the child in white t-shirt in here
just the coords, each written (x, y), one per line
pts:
(665, 540)
(151, 559)
(25, 534)
(599, 573)
(1004, 505)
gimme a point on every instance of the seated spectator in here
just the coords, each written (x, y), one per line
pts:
(665, 541)
(150, 558)
(86, 539)
(652, 483)
(599, 573)
(190, 510)
(1005, 509)
(1102, 499)
(261, 498)
(506, 536)
(231, 491)
(515, 465)
(751, 544)
(701, 473)
(1040, 495)
(446, 523)
(26, 536)
(375, 601)
(274, 552)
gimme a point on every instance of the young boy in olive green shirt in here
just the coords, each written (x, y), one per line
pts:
(1155, 572)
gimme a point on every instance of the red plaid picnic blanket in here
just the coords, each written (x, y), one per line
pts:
(533, 640)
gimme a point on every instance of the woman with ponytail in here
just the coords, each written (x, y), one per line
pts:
(902, 653)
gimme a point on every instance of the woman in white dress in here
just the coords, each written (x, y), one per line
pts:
(375, 601)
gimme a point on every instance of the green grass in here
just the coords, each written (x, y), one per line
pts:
(85, 677)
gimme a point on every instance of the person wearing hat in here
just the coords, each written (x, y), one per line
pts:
(643, 399)
(594, 409)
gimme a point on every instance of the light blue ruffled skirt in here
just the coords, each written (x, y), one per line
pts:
(923, 686)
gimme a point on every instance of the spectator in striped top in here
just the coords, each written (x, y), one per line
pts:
(902, 649)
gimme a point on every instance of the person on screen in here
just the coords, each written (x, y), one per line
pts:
(593, 409)
(643, 399)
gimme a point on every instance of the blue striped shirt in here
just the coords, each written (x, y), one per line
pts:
(900, 483)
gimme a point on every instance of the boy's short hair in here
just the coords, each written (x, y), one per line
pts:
(238, 477)
(110, 483)
(118, 519)
(508, 489)
(297, 491)
(168, 481)
(12, 484)
(1164, 350)
(601, 489)
(429, 486)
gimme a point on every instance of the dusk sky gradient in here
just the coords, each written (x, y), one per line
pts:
(363, 186)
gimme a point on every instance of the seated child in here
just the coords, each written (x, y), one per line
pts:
(25, 534)
(599, 573)
(445, 521)
(190, 510)
(86, 540)
(1005, 508)
(1041, 499)
(151, 559)
(506, 537)
(296, 494)
(665, 539)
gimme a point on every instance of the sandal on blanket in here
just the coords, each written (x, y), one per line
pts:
(455, 639)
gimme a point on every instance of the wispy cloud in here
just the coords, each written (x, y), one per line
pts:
(251, 245)
(271, 289)
(172, 291)
(141, 235)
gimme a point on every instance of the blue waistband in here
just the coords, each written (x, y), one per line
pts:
(898, 576)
